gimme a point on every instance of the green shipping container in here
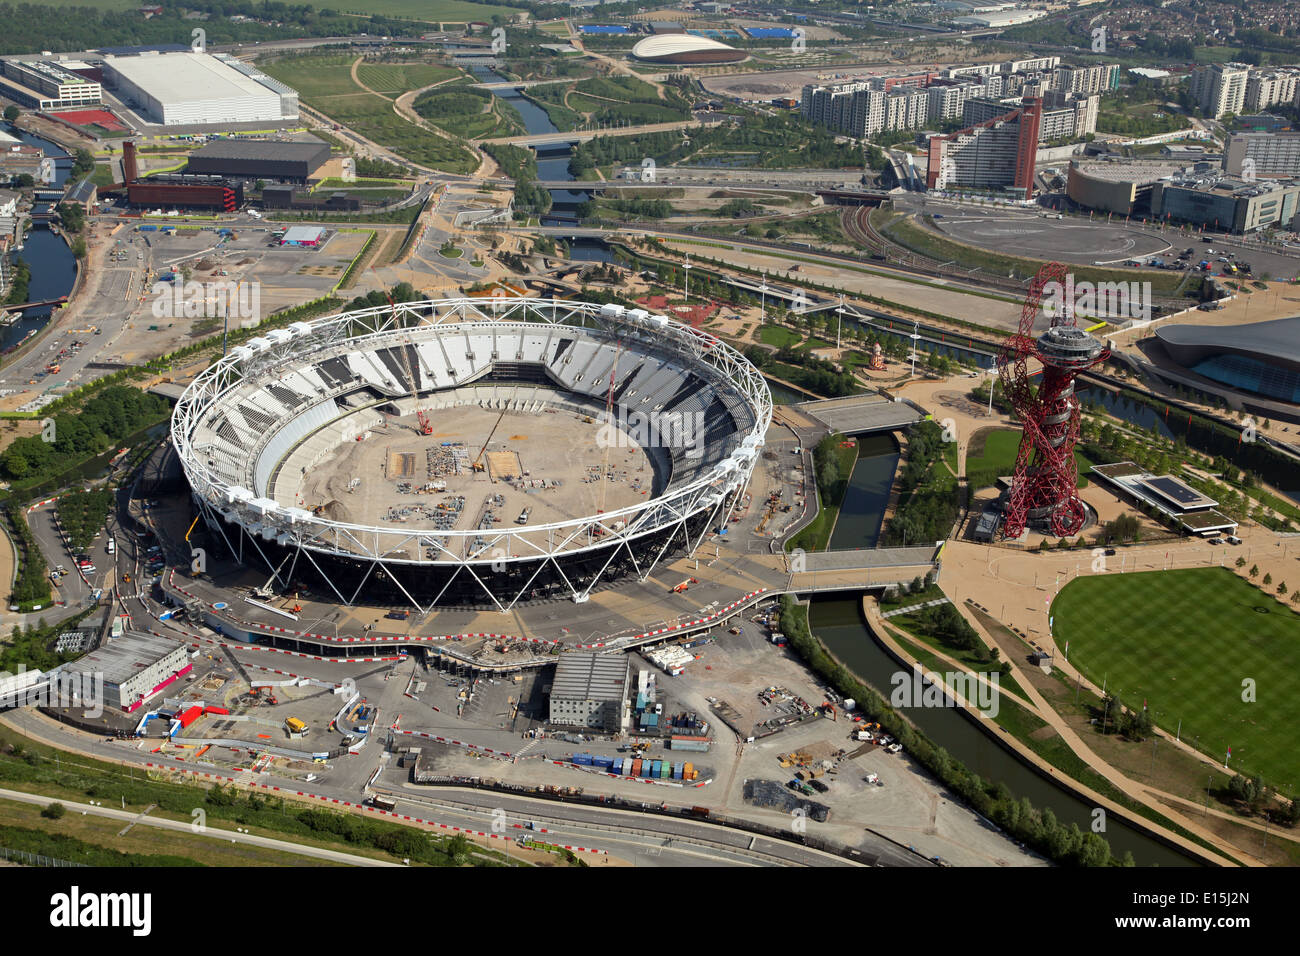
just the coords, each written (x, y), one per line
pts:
(665, 769)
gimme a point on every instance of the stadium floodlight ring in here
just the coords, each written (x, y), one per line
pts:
(236, 423)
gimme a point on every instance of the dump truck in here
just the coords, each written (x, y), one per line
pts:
(294, 725)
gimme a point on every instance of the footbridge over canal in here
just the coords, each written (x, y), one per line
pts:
(860, 568)
(862, 414)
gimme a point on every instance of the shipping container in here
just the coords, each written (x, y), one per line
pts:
(687, 770)
(636, 767)
(583, 760)
(599, 760)
(677, 771)
(665, 770)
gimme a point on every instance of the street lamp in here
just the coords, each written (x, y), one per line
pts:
(916, 336)
(762, 314)
(687, 267)
(839, 322)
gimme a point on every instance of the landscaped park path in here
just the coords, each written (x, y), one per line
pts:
(402, 107)
(1027, 582)
(1135, 791)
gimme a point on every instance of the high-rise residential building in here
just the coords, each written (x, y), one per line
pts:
(1032, 65)
(946, 101)
(1265, 89)
(1063, 116)
(995, 155)
(1220, 88)
(1087, 79)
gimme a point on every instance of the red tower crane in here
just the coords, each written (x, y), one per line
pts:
(424, 424)
(1045, 482)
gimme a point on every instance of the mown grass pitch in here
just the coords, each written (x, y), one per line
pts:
(1185, 641)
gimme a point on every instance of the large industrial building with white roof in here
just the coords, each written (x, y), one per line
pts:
(195, 89)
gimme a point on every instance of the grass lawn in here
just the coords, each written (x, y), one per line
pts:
(998, 457)
(324, 82)
(393, 79)
(816, 536)
(1184, 641)
(147, 840)
(779, 336)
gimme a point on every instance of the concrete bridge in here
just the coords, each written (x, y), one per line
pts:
(581, 136)
(862, 414)
(823, 571)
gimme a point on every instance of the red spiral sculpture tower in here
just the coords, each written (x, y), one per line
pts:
(1045, 483)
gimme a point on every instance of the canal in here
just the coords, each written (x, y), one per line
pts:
(51, 260)
(838, 623)
(862, 512)
(552, 160)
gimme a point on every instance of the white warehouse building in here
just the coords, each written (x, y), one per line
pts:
(190, 89)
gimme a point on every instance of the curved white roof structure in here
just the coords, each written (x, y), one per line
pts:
(685, 48)
(277, 402)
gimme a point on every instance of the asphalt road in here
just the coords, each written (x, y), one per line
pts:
(661, 841)
(1076, 238)
(117, 300)
(646, 840)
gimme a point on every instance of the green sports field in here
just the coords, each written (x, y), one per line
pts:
(1184, 641)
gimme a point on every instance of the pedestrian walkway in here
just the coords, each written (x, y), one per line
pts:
(915, 607)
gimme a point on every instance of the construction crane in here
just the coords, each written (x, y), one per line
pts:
(477, 464)
(424, 425)
(609, 418)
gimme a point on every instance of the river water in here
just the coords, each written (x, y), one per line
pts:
(552, 160)
(838, 622)
(863, 509)
(52, 262)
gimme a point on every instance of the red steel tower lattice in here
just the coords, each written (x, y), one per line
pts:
(1045, 483)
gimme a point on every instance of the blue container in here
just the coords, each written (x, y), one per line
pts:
(583, 760)
(677, 771)
(654, 768)
(598, 760)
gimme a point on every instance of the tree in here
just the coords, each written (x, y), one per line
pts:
(1268, 580)
(54, 811)
(1281, 588)
(457, 849)
(1254, 570)
(25, 181)
(11, 113)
